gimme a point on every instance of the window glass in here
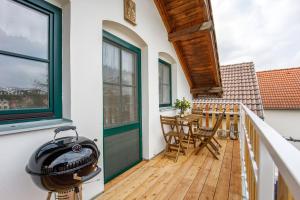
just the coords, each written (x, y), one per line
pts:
(120, 98)
(30, 77)
(111, 63)
(128, 68)
(129, 103)
(112, 105)
(164, 84)
(29, 86)
(166, 74)
(166, 94)
(23, 30)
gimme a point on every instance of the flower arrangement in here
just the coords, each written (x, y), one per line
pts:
(182, 105)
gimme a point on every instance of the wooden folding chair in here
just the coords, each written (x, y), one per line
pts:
(206, 137)
(172, 135)
(197, 112)
(188, 137)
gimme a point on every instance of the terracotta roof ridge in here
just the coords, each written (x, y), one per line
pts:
(240, 84)
(281, 69)
(237, 64)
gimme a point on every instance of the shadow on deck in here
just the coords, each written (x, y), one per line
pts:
(192, 177)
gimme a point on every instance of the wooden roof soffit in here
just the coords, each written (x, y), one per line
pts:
(190, 28)
(214, 91)
(190, 32)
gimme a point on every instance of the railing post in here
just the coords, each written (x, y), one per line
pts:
(242, 150)
(201, 113)
(213, 115)
(266, 172)
(227, 108)
(207, 107)
(283, 192)
(220, 112)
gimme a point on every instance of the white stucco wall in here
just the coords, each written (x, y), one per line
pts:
(82, 87)
(286, 122)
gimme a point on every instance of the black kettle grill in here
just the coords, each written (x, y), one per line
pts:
(65, 163)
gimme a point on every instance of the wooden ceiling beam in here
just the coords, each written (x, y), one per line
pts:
(190, 32)
(213, 56)
(163, 13)
(183, 65)
(207, 90)
(190, 28)
(208, 9)
(214, 48)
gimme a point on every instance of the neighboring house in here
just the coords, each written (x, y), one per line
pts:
(4, 104)
(110, 77)
(280, 91)
(239, 85)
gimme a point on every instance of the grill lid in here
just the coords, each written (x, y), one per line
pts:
(63, 155)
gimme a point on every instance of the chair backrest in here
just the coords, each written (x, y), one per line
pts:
(170, 122)
(218, 122)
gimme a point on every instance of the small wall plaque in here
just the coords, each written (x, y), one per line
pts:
(130, 11)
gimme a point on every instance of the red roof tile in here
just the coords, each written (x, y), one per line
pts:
(280, 89)
(239, 85)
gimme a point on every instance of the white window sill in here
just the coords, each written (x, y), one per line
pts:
(33, 126)
(162, 109)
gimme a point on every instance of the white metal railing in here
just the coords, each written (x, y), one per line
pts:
(263, 149)
(263, 153)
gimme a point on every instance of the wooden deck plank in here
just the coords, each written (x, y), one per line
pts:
(139, 192)
(235, 190)
(168, 190)
(188, 178)
(191, 177)
(199, 181)
(212, 179)
(222, 189)
(138, 176)
(124, 175)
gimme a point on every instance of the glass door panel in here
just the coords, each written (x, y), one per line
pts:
(129, 103)
(122, 141)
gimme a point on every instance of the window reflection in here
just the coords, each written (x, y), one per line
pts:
(164, 84)
(128, 68)
(23, 83)
(23, 30)
(111, 63)
(120, 97)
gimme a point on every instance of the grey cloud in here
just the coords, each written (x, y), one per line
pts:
(21, 73)
(264, 31)
(21, 45)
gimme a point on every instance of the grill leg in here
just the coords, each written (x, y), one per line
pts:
(77, 193)
(49, 195)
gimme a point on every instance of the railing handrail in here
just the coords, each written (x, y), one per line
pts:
(216, 102)
(285, 155)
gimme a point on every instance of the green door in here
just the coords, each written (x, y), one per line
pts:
(121, 105)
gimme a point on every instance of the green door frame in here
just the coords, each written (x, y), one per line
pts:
(123, 128)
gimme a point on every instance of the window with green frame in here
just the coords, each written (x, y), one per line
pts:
(30, 61)
(165, 84)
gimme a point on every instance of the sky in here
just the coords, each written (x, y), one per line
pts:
(266, 32)
(24, 32)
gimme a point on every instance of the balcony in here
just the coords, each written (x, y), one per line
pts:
(191, 177)
(260, 165)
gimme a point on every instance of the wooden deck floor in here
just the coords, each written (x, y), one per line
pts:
(192, 177)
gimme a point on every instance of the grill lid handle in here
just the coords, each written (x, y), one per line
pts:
(64, 128)
(87, 177)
